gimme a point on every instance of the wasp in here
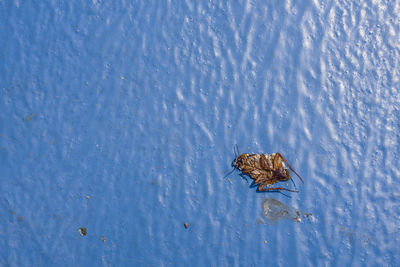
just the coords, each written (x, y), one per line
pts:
(265, 169)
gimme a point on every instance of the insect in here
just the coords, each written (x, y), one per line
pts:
(265, 169)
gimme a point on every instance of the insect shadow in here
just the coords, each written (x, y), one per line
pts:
(274, 210)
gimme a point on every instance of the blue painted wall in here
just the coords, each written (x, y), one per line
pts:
(122, 116)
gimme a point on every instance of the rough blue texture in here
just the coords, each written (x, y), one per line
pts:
(122, 116)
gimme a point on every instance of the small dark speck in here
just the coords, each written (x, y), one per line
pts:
(20, 218)
(186, 225)
(307, 215)
(103, 239)
(30, 117)
(82, 231)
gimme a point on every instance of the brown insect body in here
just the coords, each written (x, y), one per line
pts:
(265, 169)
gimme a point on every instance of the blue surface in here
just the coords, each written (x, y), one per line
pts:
(122, 116)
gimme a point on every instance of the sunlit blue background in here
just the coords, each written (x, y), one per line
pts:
(122, 117)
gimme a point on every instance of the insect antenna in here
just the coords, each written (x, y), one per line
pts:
(236, 155)
(229, 173)
(237, 150)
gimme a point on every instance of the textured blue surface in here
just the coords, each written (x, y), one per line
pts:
(122, 116)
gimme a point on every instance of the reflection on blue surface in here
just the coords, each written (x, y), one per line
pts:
(121, 118)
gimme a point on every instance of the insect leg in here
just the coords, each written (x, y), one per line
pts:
(290, 167)
(261, 188)
(291, 179)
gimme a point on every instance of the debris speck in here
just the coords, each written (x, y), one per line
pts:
(186, 225)
(20, 218)
(87, 197)
(103, 239)
(30, 117)
(82, 231)
(298, 218)
(307, 215)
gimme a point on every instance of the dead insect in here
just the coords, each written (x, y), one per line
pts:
(265, 169)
